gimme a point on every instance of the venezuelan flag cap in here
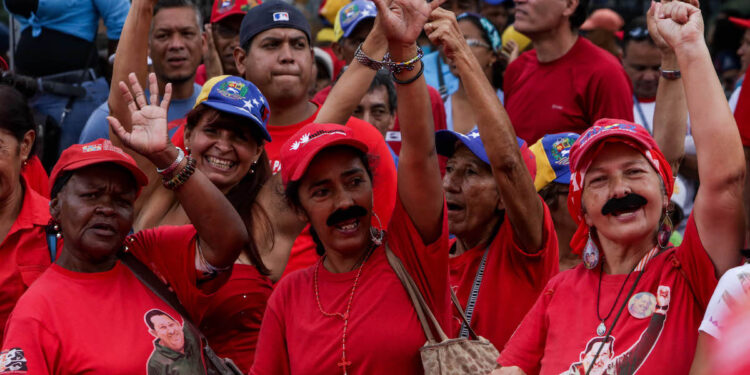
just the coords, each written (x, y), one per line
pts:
(235, 96)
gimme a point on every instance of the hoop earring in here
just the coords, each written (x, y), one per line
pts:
(590, 252)
(377, 234)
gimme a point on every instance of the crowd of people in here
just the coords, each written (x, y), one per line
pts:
(567, 189)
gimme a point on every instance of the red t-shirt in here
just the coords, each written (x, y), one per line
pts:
(384, 180)
(24, 253)
(394, 136)
(567, 94)
(559, 332)
(384, 334)
(76, 323)
(200, 75)
(512, 281)
(36, 177)
(742, 113)
(232, 321)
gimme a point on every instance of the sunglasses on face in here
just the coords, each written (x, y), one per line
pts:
(478, 43)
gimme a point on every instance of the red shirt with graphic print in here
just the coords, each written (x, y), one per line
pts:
(384, 334)
(559, 333)
(384, 180)
(77, 323)
(512, 281)
(568, 94)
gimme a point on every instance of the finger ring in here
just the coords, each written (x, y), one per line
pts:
(429, 25)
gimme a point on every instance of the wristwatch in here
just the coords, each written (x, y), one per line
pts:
(670, 74)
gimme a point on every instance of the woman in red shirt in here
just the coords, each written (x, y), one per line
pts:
(349, 313)
(506, 247)
(108, 311)
(24, 253)
(635, 304)
(227, 138)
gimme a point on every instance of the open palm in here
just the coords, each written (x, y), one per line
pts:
(148, 134)
(403, 20)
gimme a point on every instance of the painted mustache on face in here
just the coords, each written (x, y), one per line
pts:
(346, 214)
(630, 202)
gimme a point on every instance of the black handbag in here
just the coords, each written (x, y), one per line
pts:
(214, 364)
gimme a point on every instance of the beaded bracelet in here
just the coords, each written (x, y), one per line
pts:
(166, 171)
(408, 65)
(410, 80)
(180, 178)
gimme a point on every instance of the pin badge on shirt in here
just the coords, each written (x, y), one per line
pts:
(642, 305)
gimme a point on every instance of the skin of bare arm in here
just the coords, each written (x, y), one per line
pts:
(402, 21)
(522, 204)
(718, 211)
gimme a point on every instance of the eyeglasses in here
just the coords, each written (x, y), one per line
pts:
(478, 43)
(638, 33)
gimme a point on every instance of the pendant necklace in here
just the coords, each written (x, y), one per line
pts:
(344, 362)
(601, 329)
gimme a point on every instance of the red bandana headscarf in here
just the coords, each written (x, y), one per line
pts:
(585, 150)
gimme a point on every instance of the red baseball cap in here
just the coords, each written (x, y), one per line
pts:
(299, 150)
(588, 146)
(226, 8)
(741, 22)
(99, 151)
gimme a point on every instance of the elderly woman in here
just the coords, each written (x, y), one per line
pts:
(506, 248)
(108, 311)
(636, 303)
(484, 42)
(351, 307)
(24, 253)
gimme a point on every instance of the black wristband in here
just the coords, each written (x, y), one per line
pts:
(412, 79)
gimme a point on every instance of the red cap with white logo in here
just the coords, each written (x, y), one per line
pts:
(299, 150)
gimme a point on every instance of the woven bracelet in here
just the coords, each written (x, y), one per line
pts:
(180, 178)
(410, 80)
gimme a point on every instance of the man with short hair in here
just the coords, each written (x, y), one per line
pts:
(176, 48)
(170, 355)
(222, 37)
(566, 83)
(641, 59)
(378, 106)
(276, 56)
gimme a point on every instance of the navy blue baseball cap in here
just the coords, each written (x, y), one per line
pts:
(234, 95)
(445, 143)
(271, 15)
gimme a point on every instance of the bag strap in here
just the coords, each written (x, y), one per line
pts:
(423, 310)
(473, 296)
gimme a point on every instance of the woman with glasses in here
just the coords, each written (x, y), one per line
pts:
(485, 44)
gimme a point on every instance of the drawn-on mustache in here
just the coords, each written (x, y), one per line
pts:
(346, 214)
(629, 202)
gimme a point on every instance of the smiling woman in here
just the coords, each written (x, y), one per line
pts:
(94, 189)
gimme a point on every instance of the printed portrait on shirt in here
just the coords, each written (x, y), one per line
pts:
(12, 360)
(608, 362)
(176, 348)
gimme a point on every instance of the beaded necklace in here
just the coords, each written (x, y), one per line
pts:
(343, 363)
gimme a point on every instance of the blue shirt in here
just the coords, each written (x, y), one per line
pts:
(431, 73)
(79, 18)
(449, 107)
(98, 127)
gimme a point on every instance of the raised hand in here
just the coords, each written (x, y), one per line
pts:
(679, 24)
(654, 31)
(442, 30)
(402, 20)
(149, 133)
